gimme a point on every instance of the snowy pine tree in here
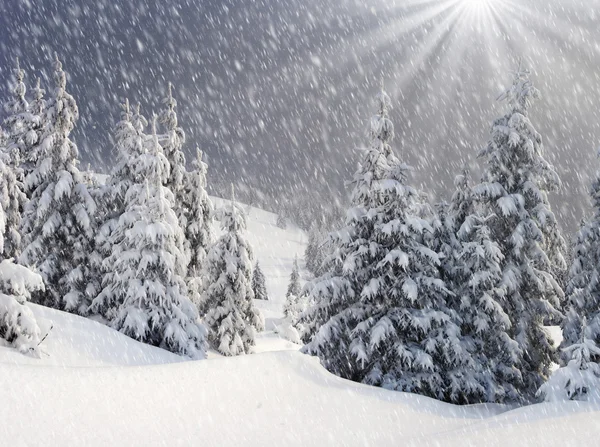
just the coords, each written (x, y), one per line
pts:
(294, 287)
(197, 221)
(389, 323)
(462, 203)
(484, 322)
(172, 144)
(351, 261)
(32, 154)
(294, 299)
(314, 254)
(18, 326)
(230, 315)
(579, 379)
(130, 142)
(148, 263)
(581, 327)
(514, 188)
(19, 125)
(58, 222)
(258, 283)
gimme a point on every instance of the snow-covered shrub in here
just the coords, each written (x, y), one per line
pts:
(17, 322)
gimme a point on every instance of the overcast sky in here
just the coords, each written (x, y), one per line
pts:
(278, 93)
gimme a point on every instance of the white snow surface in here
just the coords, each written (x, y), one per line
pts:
(95, 386)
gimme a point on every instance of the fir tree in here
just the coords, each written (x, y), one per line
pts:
(197, 224)
(130, 143)
(230, 315)
(294, 287)
(294, 298)
(282, 219)
(19, 125)
(392, 326)
(59, 219)
(29, 159)
(462, 203)
(351, 260)
(12, 200)
(172, 144)
(314, 254)
(147, 283)
(485, 325)
(258, 284)
(579, 379)
(514, 188)
(18, 326)
(579, 376)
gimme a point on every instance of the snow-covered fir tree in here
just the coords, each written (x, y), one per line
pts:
(148, 264)
(295, 300)
(12, 200)
(229, 313)
(130, 141)
(294, 287)
(579, 379)
(480, 303)
(19, 125)
(18, 326)
(58, 222)
(172, 146)
(579, 374)
(462, 203)
(314, 254)
(350, 266)
(514, 188)
(31, 155)
(282, 219)
(583, 285)
(385, 320)
(197, 221)
(258, 283)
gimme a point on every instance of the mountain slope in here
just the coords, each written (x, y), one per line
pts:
(94, 386)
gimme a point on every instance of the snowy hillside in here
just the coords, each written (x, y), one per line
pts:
(95, 386)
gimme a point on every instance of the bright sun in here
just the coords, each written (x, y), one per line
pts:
(477, 4)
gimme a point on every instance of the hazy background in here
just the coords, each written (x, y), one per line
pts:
(278, 93)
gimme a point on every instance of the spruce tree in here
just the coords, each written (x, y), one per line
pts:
(583, 285)
(391, 325)
(294, 287)
(130, 142)
(12, 200)
(579, 379)
(19, 125)
(258, 284)
(462, 203)
(351, 260)
(18, 326)
(314, 254)
(226, 303)
(30, 158)
(294, 299)
(514, 188)
(172, 146)
(484, 322)
(147, 265)
(58, 223)
(197, 222)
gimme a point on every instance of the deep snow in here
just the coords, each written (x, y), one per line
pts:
(94, 386)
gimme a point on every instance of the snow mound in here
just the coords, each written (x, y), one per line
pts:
(74, 341)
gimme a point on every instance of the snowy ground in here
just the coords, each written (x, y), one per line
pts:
(94, 386)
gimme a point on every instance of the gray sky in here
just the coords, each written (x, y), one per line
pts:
(278, 93)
